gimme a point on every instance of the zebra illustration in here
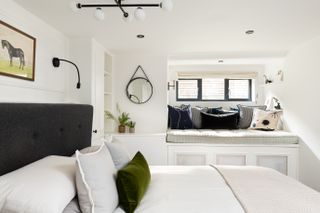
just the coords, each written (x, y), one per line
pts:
(14, 53)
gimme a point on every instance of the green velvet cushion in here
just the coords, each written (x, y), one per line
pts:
(132, 183)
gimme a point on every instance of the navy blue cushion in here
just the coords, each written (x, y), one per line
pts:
(180, 118)
(219, 121)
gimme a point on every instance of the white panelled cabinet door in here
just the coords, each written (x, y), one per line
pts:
(98, 93)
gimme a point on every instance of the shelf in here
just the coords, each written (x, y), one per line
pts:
(116, 134)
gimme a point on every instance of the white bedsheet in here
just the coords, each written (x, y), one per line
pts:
(181, 189)
(184, 189)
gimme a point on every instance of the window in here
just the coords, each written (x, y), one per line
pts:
(188, 89)
(214, 89)
(239, 89)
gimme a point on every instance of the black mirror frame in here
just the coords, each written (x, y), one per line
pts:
(130, 95)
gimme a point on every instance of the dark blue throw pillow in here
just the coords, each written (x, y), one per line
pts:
(180, 118)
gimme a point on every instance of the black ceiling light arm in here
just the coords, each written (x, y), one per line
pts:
(118, 2)
(56, 63)
(116, 5)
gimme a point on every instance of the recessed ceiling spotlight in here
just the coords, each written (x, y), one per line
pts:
(140, 36)
(250, 32)
(220, 61)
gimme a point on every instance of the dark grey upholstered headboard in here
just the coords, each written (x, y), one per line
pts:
(29, 132)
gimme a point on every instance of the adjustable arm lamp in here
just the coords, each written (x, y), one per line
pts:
(56, 63)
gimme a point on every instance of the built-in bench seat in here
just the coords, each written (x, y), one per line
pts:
(274, 149)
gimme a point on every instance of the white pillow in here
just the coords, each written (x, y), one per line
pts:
(96, 181)
(119, 154)
(46, 185)
(89, 149)
(265, 120)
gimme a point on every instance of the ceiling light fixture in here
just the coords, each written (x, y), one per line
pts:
(99, 14)
(139, 12)
(140, 36)
(128, 18)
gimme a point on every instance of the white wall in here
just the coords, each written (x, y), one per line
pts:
(298, 94)
(50, 83)
(151, 117)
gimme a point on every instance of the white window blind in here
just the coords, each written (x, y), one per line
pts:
(239, 89)
(188, 89)
(213, 89)
(228, 75)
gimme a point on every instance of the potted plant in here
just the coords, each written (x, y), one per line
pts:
(131, 126)
(122, 120)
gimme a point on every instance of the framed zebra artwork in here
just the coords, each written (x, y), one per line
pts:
(17, 53)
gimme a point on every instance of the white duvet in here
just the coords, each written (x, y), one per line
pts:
(185, 189)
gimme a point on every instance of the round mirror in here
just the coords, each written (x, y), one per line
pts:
(139, 90)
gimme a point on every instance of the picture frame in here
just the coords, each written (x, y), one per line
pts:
(17, 53)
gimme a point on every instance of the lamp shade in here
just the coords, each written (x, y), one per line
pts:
(139, 14)
(99, 14)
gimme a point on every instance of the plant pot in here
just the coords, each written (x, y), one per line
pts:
(132, 129)
(122, 129)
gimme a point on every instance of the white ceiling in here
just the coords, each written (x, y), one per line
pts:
(194, 26)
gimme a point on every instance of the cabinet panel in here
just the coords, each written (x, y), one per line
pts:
(232, 160)
(279, 163)
(281, 158)
(191, 159)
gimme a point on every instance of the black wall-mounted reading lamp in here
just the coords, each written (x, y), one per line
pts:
(56, 63)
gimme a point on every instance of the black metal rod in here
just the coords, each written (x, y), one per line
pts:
(115, 5)
(118, 2)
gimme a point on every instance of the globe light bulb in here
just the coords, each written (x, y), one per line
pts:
(166, 5)
(73, 6)
(99, 14)
(139, 14)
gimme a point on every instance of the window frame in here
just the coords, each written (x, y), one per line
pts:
(226, 92)
(239, 99)
(199, 84)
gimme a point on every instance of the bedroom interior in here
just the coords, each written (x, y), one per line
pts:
(159, 106)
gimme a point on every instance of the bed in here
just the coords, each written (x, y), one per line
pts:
(30, 132)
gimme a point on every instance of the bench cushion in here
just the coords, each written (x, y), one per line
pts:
(239, 136)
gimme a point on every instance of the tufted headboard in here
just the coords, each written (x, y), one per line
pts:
(29, 132)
